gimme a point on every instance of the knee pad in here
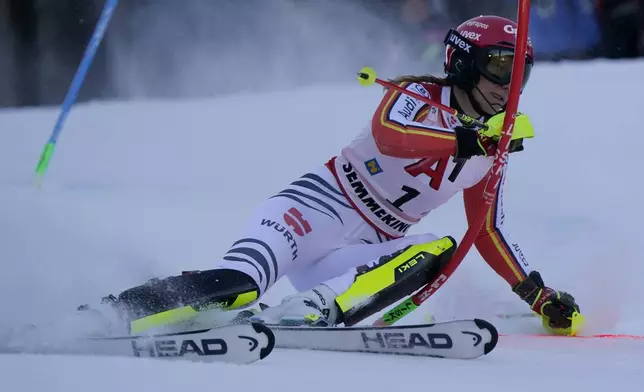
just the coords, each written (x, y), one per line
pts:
(393, 277)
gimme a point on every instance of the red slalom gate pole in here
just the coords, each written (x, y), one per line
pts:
(493, 176)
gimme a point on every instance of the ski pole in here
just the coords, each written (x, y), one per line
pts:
(367, 76)
(72, 92)
(514, 316)
(493, 179)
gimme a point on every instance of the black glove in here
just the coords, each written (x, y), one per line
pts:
(556, 307)
(469, 143)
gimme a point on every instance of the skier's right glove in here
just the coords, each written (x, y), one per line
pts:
(558, 309)
(470, 143)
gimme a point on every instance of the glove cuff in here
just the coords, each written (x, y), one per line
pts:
(530, 289)
(468, 143)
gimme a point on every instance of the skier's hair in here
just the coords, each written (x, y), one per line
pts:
(422, 79)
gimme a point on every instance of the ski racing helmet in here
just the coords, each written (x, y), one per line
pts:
(483, 46)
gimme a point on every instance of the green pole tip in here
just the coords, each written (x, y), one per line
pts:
(45, 157)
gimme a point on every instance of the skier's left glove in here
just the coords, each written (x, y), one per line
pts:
(558, 309)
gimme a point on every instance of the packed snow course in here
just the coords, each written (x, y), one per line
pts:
(149, 188)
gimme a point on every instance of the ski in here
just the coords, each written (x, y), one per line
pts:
(460, 339)
(235, 343)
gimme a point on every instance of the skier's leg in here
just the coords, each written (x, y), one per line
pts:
(299, 225)
(367, 288)
(348, 257)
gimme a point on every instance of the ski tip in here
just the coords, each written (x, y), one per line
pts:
(494, 334)
(270, 337)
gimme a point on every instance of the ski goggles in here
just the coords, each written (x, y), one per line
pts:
(493, 62)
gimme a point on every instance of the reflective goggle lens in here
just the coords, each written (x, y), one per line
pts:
(497, 66)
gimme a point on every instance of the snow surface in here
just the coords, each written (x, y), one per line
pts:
(142, 189)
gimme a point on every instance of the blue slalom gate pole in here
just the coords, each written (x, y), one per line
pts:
(77, 82)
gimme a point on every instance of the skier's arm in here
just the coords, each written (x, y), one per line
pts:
(493, 243)
(507, 259)
(399, 133)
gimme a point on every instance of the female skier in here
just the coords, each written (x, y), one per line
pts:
(339, 232)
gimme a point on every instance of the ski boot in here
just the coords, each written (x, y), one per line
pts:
(180, 302)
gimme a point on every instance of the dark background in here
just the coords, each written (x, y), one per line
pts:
(200, 48)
